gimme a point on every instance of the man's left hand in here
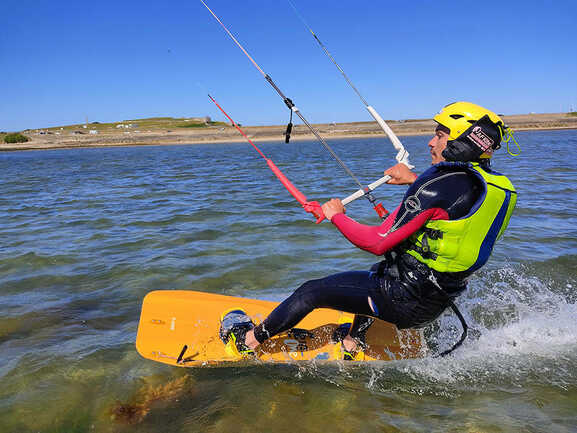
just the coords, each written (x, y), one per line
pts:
(333, 207)
(400, 175)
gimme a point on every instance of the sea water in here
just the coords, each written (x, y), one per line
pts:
(86, 233)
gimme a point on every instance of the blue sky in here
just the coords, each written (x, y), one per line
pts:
(63, 61)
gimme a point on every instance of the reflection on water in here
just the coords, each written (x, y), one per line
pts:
(87, 233)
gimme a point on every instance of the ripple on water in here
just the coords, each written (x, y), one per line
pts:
(85, 236)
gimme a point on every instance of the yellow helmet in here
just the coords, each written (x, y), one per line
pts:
(474, 132)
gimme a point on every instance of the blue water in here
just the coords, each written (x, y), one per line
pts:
(86, 233)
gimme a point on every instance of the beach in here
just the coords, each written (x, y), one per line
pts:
(53, 138)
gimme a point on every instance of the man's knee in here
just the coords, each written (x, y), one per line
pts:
(309, 293)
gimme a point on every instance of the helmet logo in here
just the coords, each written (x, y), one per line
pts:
(482, 140)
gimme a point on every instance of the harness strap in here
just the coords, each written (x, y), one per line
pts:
(424, 249)
(383, 264)
(463, 335)
(459, 316)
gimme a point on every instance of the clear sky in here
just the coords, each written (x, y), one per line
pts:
(63, 61)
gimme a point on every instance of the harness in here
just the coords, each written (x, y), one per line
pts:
(390, 263)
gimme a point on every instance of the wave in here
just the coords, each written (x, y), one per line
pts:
(522, 335)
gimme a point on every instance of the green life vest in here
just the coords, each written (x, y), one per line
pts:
(464, 245)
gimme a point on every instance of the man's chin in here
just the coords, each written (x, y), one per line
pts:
(435, 160)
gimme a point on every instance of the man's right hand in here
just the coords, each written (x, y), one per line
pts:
(400, 175)
(333, 207)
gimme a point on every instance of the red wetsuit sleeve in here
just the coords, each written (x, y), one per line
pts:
(443, 192)
(377, 239)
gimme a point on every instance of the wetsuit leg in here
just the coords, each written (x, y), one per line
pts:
(347, 291)
(360, 326)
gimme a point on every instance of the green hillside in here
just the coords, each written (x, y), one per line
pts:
(147, 124)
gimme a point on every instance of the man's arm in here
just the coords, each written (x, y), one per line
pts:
(380, 239)
(435, 195)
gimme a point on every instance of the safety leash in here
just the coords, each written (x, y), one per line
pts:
(457, 313)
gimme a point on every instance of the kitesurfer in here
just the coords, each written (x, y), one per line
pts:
(441, 233)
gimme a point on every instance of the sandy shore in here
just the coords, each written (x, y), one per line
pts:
(219, 134)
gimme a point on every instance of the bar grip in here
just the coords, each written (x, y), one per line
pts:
(362, 192)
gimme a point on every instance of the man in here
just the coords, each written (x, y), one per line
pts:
(441, 233)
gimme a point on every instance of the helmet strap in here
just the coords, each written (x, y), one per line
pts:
(507, 138)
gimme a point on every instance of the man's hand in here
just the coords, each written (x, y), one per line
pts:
(333, 207)
(400, 175)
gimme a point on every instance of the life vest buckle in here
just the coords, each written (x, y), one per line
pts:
(434, 234)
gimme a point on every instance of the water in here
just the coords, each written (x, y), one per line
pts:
(86, 233)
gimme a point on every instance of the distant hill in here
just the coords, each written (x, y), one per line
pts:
(147, 124)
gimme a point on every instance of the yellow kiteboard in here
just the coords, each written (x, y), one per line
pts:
(180, 328)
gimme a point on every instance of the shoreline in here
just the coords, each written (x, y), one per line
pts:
(222, 135)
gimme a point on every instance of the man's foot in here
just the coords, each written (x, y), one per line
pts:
(234, 324)
(348, 348)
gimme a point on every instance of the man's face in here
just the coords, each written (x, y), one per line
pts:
(437, 145)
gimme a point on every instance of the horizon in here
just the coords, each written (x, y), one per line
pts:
(71, 62)
(225, 121)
